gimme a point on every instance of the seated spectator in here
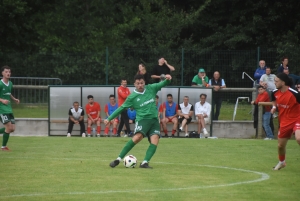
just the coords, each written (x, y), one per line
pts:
(202, 113)
(260, 70)
(93, 110)
(76, 116)
(185, 113)
(109, 109)
(268, 80)
(143, 71)
(217, 83)
(201, 79)
(263, 96)
(170, 115)
(131, 115)
(283, 65)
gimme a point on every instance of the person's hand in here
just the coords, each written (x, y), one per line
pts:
(273, 110)
(186, 116)
(252, 102)
(216, 87)
(106, 122)
(168, 77)
(166, 62)
(17, 101)
(4, 101)
(76, 122)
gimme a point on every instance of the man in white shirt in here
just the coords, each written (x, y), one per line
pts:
(268, 80)
(76, 116)
(185, 113)
(202, 112)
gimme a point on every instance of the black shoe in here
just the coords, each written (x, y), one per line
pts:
(173, 135)
(145, 165)
(118, 135)
(114, 163)
(179, 129)
(166, 135)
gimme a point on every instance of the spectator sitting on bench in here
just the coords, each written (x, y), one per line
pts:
(93, 109)
(170, 115)
(185, 113)
(109, 109)
(76, 116)
(202, 112)
(131, 115)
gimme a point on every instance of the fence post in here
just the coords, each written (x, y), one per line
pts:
(259, 123)
(106, 66)
(182, 64)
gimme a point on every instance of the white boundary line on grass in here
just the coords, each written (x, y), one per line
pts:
(264, 176)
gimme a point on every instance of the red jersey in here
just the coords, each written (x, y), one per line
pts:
(93, 109)
(288, 104)
(264, 97)
(123, 92)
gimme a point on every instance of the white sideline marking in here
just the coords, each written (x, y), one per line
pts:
(263, 177)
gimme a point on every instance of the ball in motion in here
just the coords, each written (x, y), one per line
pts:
(162, 77)
(130, 161)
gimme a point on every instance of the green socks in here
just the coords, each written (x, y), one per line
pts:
(5, 139)
(2, 130)
(150, 152)
(130, 144)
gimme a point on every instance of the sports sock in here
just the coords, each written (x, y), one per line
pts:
(5, 139)
(2, 130)
(173, 132)
(115, 131)
(106, 130)
(89, 130)
(281, 158)
(166, 132)
(129, 145)
(98, 129)
(150, 152)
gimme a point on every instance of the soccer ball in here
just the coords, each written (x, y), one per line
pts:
(130, 161)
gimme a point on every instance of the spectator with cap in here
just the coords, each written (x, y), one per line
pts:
(200, 79)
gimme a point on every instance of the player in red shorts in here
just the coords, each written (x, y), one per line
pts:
(170, 115)
(109, 109)
(93, 112)
(287, 100)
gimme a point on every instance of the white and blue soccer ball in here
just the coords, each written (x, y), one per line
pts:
(130, 161)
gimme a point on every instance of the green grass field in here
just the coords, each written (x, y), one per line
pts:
(60, 168)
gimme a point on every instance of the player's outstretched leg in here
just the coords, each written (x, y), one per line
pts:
(114, 163)
(129, 145)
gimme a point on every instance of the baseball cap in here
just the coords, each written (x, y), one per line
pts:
(201, 70)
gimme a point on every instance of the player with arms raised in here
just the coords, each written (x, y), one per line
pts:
(6, 114)
(147, 125)
(288, 102)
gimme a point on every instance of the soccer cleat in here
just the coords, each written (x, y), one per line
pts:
(5, 148)
(279, 166)
(98, 135)
(205, 133)
(114, 163)
(89, 135)
(145, 165)
(83, 134)
(69, 135)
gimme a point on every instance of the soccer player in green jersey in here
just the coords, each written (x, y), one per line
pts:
(146, 124)
(6, 113)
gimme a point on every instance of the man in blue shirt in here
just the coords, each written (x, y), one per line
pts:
(260, 70)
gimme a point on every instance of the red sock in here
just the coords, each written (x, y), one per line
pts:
(115, 131)
(106, 130)
(173, 132)
(98, 129)
(89, 130)
(281, 157)
(166, 132)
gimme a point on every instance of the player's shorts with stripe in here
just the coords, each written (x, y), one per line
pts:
(287, 131)
(147, 127)
(5, 118)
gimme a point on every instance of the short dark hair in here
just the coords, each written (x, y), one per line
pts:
(157, 96)
(5, 67)
(90, 96)
(283, 58)
(260, 86)
(139, 77)
(112, 96)
(203, 95)
(169, 95)
(123, 79)
(268, 67)
(285, 78)
(75, 102)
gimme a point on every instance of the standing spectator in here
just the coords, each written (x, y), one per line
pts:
(260, 70)
(287, 101)
(109, 109)
(202, 112)
(143, 71)
(200, 79)
(217, 83)
(7, 116)
(170, 115)
(283, 65)
(93, 110)
(263, 96)
(185, 113)
(162, 68)
(268, 80)
(123, 93)
(146, 120)
(76, 116)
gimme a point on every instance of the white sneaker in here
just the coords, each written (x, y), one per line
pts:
(125, 135)
(180, 129)
(267, 138)
(98, 135)
(89, 135)
(280, 165)
(186, 135)
(83, 134)
(69, 135)
(205, 133)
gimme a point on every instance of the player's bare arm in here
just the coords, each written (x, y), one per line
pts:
(15, 99)
(4, 101)
(169, 66)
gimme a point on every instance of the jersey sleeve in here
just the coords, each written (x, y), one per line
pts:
(158, 86)
(82, 112)
(179, 108)
(206, 79)
(273, 96)
(70, 113)
(192, 108)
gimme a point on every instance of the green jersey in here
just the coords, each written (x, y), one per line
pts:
(142, 102)
(5, 92)
(198, 80)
